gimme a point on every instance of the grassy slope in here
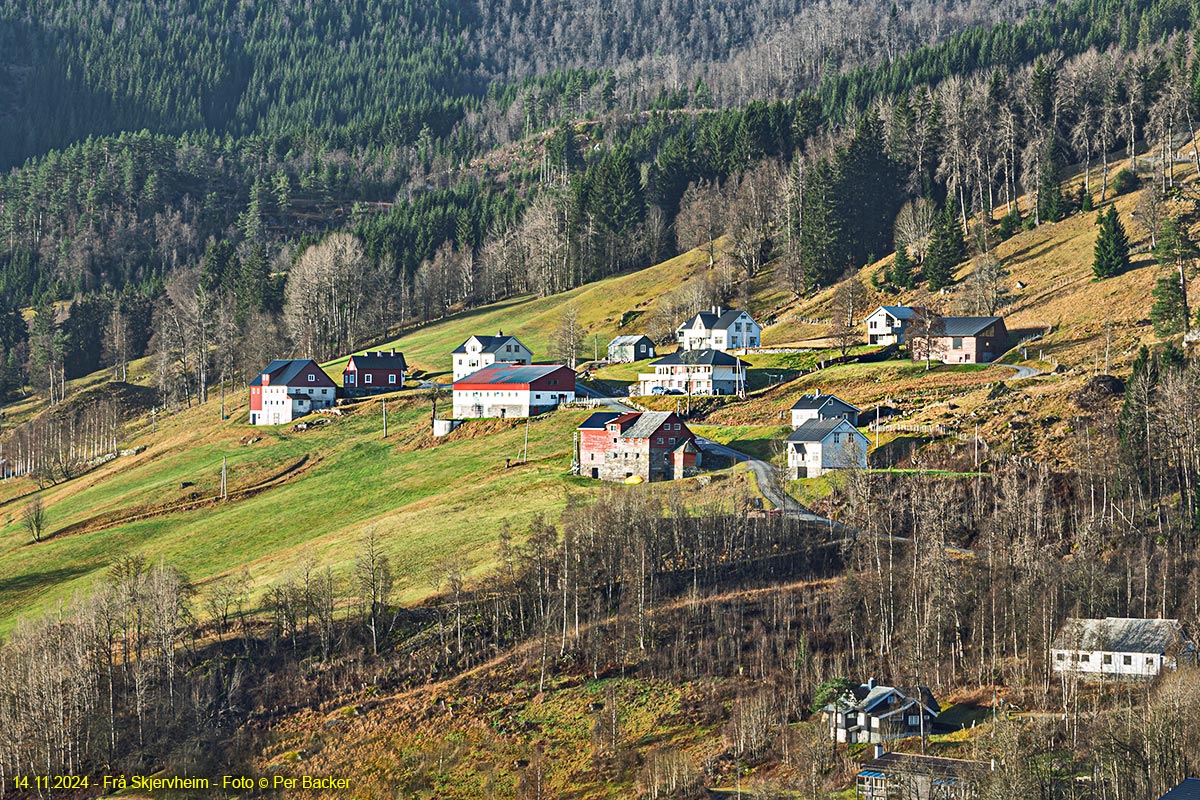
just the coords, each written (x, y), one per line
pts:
(431, 504)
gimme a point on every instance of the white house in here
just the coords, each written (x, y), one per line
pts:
(694, 372)
(513, 390)
(483, 351)
(887, 324)
(872, 713)
(289, 388)
(1119, 647)
(822, 406)
(823, 445)
(719, 330)
(631, 347)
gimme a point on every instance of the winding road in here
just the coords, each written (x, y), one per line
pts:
(1023, 372)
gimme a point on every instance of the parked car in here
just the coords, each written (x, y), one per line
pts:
(658, 390)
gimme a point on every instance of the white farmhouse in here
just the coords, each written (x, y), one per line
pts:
(823, 445)
(289, 388)
(694, 372)
(482, 351)
(719, 330)
(887, 324)
(1118, 647)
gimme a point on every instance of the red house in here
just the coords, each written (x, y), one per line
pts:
(373, 372)
(651, 445)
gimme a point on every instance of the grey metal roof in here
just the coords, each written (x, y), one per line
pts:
(818, 401)
(628, 339)
(814, 430)
(712, 358)
(965, 326)
(489, 344)
(1118, 635)
(899, 312)
(284, 370)
(933, 766)
(647, 423)
(1188, 790)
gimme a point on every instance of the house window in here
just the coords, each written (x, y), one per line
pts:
(311, 377)
(1127, 660)
(670, 441)
(957, 343)
(392, 378)
(837, 438)
(659, 440)
(368, 378)
(1149, 661)
(1108, 658)
(1060, 657)
(1085, 658)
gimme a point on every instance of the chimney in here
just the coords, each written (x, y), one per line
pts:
(871, 684)
(878, 751)
(393, 351)
(499, 332)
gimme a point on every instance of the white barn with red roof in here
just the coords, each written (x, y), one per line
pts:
(513, 390)
(289, 388)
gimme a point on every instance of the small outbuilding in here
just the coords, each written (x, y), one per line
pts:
(629, 348)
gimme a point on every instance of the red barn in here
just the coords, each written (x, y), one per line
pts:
(651, 445)
(373, 372)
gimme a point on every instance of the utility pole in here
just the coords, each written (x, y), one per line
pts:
(385, 417)
(525, 457)
(977, 447)
(224, 477)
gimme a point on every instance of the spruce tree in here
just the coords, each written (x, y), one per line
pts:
(901, 272)
(947, 248)
(1168, 312)
(1112, 246)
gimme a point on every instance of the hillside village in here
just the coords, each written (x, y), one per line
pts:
(611, 495)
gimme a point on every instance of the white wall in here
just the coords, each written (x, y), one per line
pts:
(1142, 665)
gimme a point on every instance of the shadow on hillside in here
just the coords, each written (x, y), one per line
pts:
(35, 581)
(898, 452)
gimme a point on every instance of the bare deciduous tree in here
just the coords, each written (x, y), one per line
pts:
(33, 519)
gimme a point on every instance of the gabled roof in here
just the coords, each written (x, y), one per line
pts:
(504, 373)
(628, 339)
(303, 398)
(379, 360)
(965, 326)
(489, 344)
(711, 358)
(943, 769)
(284, 370)
(1118, 635)
(646, 423)
(899, 312)
(712, 321)
(819, 401)
(1188, 790)
(867, 696)
(814, 430)
(598, 421)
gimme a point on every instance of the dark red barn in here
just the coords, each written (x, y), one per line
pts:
(373, 372)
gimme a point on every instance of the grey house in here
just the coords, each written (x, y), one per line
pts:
(629, 348)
